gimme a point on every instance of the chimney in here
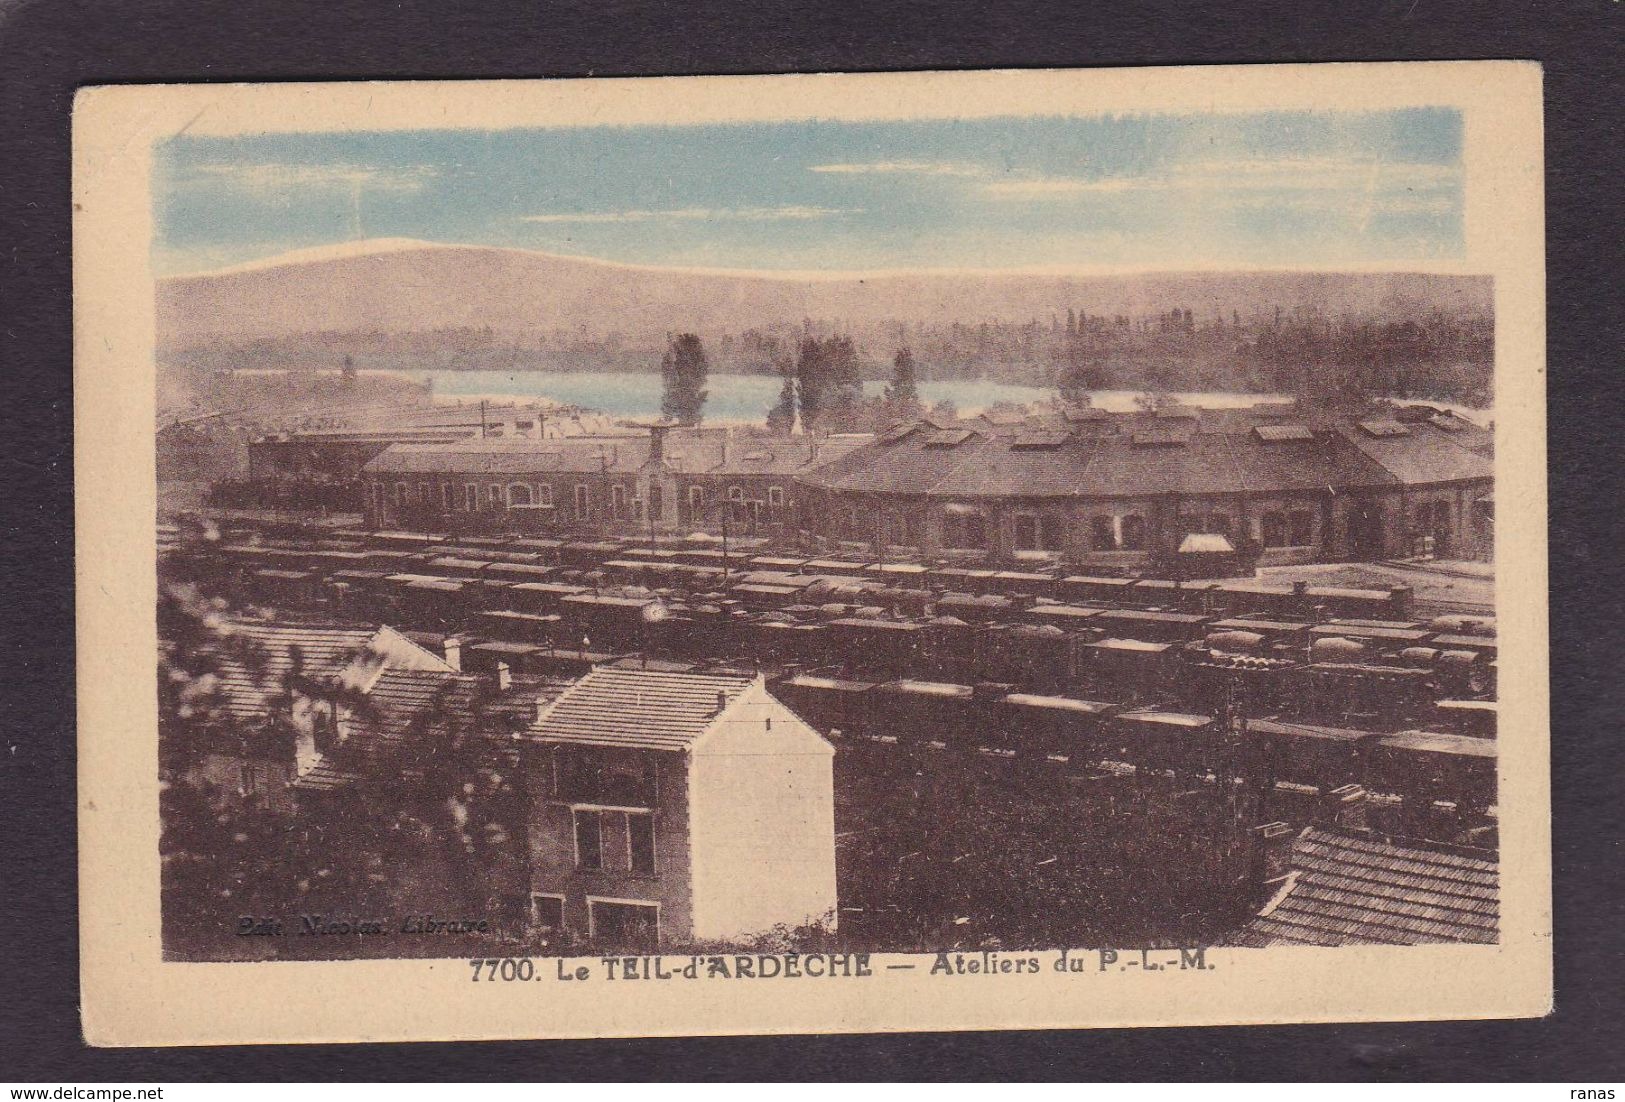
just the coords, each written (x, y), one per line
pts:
(722, 701)
(1300, 589)
(454, 653)
(541, 708)
(657, 442)
(1347, 807)
(504, 677)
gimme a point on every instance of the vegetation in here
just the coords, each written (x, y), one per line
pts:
(683, 371)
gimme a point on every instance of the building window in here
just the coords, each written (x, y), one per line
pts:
(1302, 526)
(964, 527)
(589, 827)
(657, 501)
(1050, 535)
(544, 494)
(583, 501)
(623, 925)
(423, 493)
(518, 494)
(496, 496)
(1273, 530)
(696, 501)
(471, 497)
(1026, 535)
(640, 842)
(1134, 532)
(617, 502)
(894, 528)
(547, 911)
(736, 493)
(445, 497)
(1102, 536)
(775, 497)
(400, 493)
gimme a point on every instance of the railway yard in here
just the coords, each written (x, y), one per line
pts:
(1038, 696)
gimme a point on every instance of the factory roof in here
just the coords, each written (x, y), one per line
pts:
(1137, 454)
(684, 451)
(1350, 887)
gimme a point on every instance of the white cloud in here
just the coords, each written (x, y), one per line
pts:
(899, 168)
(278, 178)
(1231, 179)
(694, 214)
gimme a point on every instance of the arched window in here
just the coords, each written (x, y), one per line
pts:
(518, 494)
(1274, 530)
(775, 496)
(471, 497)
(736, 493)
(1302, 525)
(696, 501)
(583, 501)
(494, 495)
(545, 494)
(617, 502)
(657, 501)
(1134, 532)
(1102, 537)
(400, 493)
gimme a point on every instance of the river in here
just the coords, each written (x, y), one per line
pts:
(746, 398)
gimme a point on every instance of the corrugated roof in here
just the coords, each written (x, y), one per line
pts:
(1350, 887)
(640, 709)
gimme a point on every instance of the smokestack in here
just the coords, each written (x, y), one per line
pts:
(504, 677)
(454, 653)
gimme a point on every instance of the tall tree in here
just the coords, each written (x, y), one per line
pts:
(903, 395)
(781, 419)
(812, 381)
(683, 371)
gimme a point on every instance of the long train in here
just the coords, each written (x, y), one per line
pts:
(1301, 652)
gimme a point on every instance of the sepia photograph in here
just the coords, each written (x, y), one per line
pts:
(1044, 539)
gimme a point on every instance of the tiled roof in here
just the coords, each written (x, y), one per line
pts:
(320, 652)
(1350, 887)
(643, 709)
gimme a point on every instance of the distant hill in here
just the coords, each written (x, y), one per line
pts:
(394, 286)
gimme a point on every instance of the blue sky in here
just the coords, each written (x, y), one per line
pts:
(1279, 189)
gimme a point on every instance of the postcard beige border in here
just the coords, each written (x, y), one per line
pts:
(131, 996)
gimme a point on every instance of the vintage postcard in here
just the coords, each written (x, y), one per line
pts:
(821, 553)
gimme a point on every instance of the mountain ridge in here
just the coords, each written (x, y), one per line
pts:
(402, 285)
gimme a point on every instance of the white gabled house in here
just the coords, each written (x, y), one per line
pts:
(678, 808)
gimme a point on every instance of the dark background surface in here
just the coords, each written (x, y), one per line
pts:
(48, 49)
